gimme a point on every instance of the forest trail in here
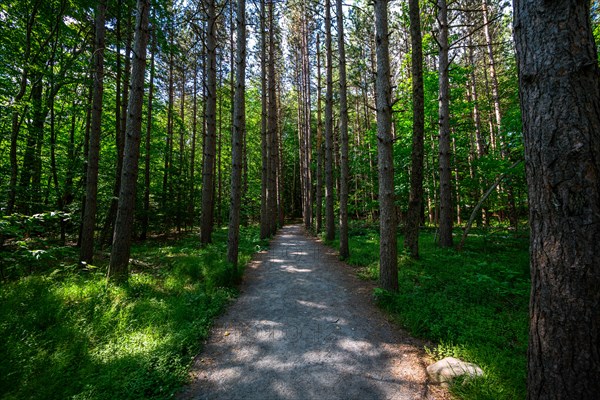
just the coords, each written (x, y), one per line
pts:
(304, 327)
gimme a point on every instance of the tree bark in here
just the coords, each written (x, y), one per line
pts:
(444, 129)
(208, 170)
(86, 254)
(388, 247)
(319, 171)
(415, 199)
(264, 210)
(344, 165)
(146, 213)
(237, 139)
(560, 104)
(329, 213)
(119, 256)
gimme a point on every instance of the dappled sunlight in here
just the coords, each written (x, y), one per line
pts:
(298, 333)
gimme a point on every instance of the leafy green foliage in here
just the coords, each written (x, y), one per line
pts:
(473, 304)
(67, 334)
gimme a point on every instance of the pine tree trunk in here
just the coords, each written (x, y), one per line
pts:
(119, 257)
(388, 248)
(264, 210)
(86, 254)
(208, 170)
(415, 200)
(344, 166)
(146, 212)
(444, 129)
(319, 171)
(329, 213)
(237, 138)
(560, 103)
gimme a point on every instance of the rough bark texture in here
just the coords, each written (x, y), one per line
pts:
(239, 128)
(415, 199)
(146, 212)
(344, 167)
(119, 256)
(210, 145)
(444, 129)
(560, 103)
(264, 211)
(329, 214)
(89, 216)
(319, 170)
(388, 251)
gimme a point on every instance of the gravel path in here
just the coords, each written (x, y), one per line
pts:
(305, 328)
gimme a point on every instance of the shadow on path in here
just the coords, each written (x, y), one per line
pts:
(304, 328)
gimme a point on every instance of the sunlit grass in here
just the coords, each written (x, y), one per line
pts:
(67, 334)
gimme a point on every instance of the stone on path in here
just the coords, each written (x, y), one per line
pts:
(445, 370)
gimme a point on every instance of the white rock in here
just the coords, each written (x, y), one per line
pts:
(449, 368)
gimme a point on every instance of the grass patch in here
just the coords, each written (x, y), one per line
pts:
(473, 303)
(65, 334)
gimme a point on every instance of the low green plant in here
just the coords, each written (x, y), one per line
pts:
(66, 334)
(473, 303)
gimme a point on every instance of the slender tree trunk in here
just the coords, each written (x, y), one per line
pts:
(119, 257)
(192, 198)
(121, 118)
(167, 172)
(444, 126)
(264, 211)
(146, 213)
(306, 101)
(237, 139)
(388, 247)
(560, 104)
(329, 213)
(86, 254)
(415, 199)
(319, 171)
(208, 170)
(344, 165)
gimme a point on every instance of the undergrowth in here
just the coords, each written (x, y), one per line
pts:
(472, 303)
(66, 334)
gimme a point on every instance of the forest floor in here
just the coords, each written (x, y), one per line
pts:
(305, 327)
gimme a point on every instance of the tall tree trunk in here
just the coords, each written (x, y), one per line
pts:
(415, 199)
(319, 171)
(86, 254)
(119, 257)
(329, 213)
(192, 199)
(121, 121)
(167, 172)
(307, 191)
(264, 211)
(146, 212)
(237, 137)
(388, 247)
(560, 104)
(344, 165)
(208, 170)
(444, 126)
